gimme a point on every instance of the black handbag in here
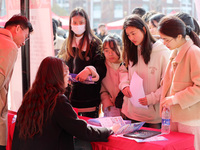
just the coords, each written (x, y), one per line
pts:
(119, 100)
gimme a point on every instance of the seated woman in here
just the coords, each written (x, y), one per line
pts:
(46, 120)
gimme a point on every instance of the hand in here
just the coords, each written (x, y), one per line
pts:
(82, 76)
(111, 132)
(143, 101)
(126, 91)
(115, 128)
(166, 102)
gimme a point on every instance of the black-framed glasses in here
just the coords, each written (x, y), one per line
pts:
(167, 41)
(26, 39)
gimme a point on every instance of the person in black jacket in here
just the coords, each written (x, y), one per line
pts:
(82, 53)
(46, 119)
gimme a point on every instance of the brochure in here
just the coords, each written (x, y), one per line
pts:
(72, 77)
(118, 125)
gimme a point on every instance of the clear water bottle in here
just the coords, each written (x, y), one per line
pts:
(165, 129)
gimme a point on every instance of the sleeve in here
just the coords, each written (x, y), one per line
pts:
(95, 75)
(7, 61)
(154, 97)
(105, 98)
(68, 120)
(123, 76)
(99, 63)
(2, 78)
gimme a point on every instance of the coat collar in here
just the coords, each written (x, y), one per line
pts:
(182, 52)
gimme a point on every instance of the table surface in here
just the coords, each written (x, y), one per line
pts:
(176, 141)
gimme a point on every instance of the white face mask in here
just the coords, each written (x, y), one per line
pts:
(78, 29)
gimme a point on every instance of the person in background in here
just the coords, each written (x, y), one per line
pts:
(148, 58)
(112, 49)
(147, 15)
(189, 21)
(102, 31)
(14, 34)
(139, 11)
(181, 83)
(153, 24)
(82, 53)
(197, 27)
(57, 40)
(45, 119)
(60, 31)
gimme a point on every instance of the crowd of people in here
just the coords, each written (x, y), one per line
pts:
(163, 50)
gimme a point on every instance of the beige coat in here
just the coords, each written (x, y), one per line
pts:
(185, 85)
(8, 56)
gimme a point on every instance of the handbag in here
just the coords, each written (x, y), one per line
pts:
(119, 100)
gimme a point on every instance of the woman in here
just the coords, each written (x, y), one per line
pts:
(148, 58)
(112, 48)
(181, 83)
(82, 53)
(153, 24)
(46, 120)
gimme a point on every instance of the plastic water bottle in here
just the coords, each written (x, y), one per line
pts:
(165, 129)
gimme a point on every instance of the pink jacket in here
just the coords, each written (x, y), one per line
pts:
(185, 86)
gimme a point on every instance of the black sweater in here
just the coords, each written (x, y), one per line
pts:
(87, 95)
(59, 130)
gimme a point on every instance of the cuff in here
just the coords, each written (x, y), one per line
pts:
(95, 75)
(174, 100)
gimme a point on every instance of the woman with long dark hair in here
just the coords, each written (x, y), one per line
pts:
(45, 119)
(181, 83)
(148, 58)
(82, 53)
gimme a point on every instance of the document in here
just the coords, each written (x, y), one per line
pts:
(137, 90)
(118, 125)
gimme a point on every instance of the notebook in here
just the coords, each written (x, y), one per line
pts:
(142, 134)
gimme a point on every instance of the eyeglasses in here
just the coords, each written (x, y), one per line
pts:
(26, 39)
(165, 41)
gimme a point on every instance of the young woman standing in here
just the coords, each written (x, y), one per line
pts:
(82, 53)
(148, 58)
(181, 83)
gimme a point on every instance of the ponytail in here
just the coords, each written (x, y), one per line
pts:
(194, 37)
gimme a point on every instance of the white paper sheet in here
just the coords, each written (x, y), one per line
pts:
(137, 90)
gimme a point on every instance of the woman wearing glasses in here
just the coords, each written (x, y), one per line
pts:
(148, 58)
(181, 83)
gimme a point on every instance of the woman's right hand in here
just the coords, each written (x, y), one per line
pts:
(126, 91)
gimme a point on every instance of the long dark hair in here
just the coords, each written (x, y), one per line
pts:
(130, 52)
(67, 46)
(173, 26)
(40, 100)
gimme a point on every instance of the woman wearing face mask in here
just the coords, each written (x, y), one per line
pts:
(82, 53)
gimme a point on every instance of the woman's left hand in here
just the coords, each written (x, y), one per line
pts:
(143, 101)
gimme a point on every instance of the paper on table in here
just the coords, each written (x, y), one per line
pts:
(137, 90)
(110, 121)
